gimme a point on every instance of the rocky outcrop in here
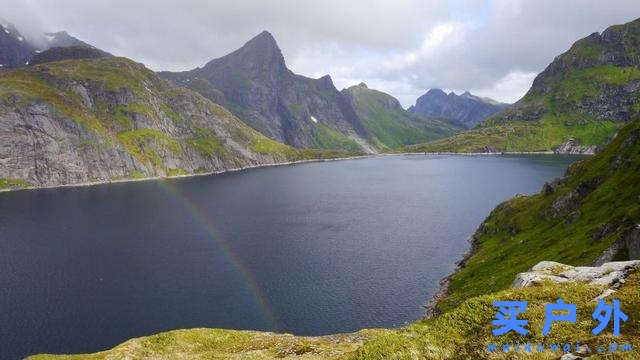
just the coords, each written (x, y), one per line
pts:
(572, 147)
(256, 86)
(467, 109)
(610, 275)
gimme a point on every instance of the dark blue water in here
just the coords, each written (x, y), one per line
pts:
(309, 249)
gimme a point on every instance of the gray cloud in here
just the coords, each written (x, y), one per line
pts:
(493, 48)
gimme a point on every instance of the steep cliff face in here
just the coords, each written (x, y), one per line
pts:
(81, 121)
(255, 84)
(466, 108)
(390, 125)
(584, 96)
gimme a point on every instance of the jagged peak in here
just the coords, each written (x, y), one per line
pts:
(362, 85)
(435, 91)
(263, 39)
(326, 80)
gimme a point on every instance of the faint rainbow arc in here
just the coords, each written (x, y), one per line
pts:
(201, 218)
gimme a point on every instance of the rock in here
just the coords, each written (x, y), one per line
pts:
(610, 274)
(571, 357)
(605, 294)
(571, 146)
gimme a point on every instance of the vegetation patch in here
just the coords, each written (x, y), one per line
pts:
(13, 184)
(327, 138)
(146, 145)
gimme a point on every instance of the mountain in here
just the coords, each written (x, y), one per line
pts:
(17, 50)
(466, 108)
(390, 125)
(100, 120)
(575, 105)
(255, 84)
(14, 49)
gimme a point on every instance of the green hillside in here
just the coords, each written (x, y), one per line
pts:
(390, 125)
(572, 221)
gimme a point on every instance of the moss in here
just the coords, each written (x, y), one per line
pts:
(13, 184)
(146, 145)
(176, 172)
(137, 174)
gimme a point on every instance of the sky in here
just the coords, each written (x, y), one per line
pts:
(492, 48)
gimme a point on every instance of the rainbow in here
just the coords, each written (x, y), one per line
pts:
(201, 218)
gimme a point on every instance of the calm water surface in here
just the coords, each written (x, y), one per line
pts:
(310, 249)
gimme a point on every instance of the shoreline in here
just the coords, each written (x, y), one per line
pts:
(490, 153)
(208, 173)
(285, 163)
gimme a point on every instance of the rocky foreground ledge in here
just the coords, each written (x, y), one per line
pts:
(611, 274)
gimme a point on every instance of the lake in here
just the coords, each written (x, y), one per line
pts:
(309, 249)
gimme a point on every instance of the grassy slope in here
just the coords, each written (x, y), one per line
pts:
(525, 230)
(115, 124)
(391, 125)
(560, 104)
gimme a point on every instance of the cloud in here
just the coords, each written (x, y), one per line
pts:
(404, 47)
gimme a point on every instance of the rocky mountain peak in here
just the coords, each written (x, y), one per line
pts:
(259, 56)
(466, 108)
(435, 92)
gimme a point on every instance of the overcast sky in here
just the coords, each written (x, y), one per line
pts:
(403, 47)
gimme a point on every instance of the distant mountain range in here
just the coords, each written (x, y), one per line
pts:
(575, 105)
(468, 109)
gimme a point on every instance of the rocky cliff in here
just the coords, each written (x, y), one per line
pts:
(467, 109)
(585, 95)
(97, 120)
